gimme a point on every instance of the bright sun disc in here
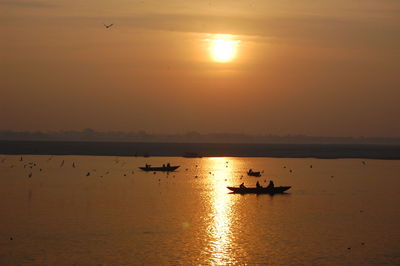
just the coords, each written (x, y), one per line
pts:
(223, 48)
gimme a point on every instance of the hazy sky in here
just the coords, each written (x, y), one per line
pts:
(311, 67)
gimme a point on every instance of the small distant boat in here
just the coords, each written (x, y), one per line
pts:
(191, 155)
(252, 173)
(261, 190)
(160, 168)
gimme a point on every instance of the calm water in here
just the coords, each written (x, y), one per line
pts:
(337, 212)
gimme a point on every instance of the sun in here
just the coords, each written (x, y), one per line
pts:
(223, 48)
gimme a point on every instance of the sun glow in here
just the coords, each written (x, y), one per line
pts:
(223, 48)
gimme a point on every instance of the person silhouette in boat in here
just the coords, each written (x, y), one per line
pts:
(271, 184)
(258, 185)
(163, 166)
(250, 171)
(242, 185)
(168, 165)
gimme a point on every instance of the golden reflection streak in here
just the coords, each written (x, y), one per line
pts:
(221, 203)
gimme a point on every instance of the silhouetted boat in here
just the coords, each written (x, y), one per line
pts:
(160, 169)
(251, 173)
(191, 155)
(255, 190)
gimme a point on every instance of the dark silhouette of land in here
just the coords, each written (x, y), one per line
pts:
(328, 151)
(190, 137)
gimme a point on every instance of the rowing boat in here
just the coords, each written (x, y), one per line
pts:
(160, 169)
(261, 190)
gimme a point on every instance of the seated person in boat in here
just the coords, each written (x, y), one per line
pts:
(163, 165)
(168, 165)
(258, 185)
(271, 184)
(250, 171)
(147, 165)
(242, 185)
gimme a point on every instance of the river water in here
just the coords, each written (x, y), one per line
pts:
(92, 210)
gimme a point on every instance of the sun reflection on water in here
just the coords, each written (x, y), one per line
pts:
(219, 230)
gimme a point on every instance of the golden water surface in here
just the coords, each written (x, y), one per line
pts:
(87, 210)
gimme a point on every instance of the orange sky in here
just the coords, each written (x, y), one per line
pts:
(302, 67)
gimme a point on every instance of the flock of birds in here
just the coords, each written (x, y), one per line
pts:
(31, 165)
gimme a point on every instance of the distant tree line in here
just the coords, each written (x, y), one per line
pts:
(192, 137)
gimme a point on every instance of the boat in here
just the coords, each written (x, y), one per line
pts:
(191, 155)
(261, 190)
(160, 168)
(252, 173)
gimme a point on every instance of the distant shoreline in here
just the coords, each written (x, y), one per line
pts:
(323, 151)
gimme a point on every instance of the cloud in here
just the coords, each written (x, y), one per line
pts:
(322, 29)
(27, 4)
(328, 31)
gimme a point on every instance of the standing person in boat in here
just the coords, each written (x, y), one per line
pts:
(271, 184)
(168, 165)
(258, 185)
